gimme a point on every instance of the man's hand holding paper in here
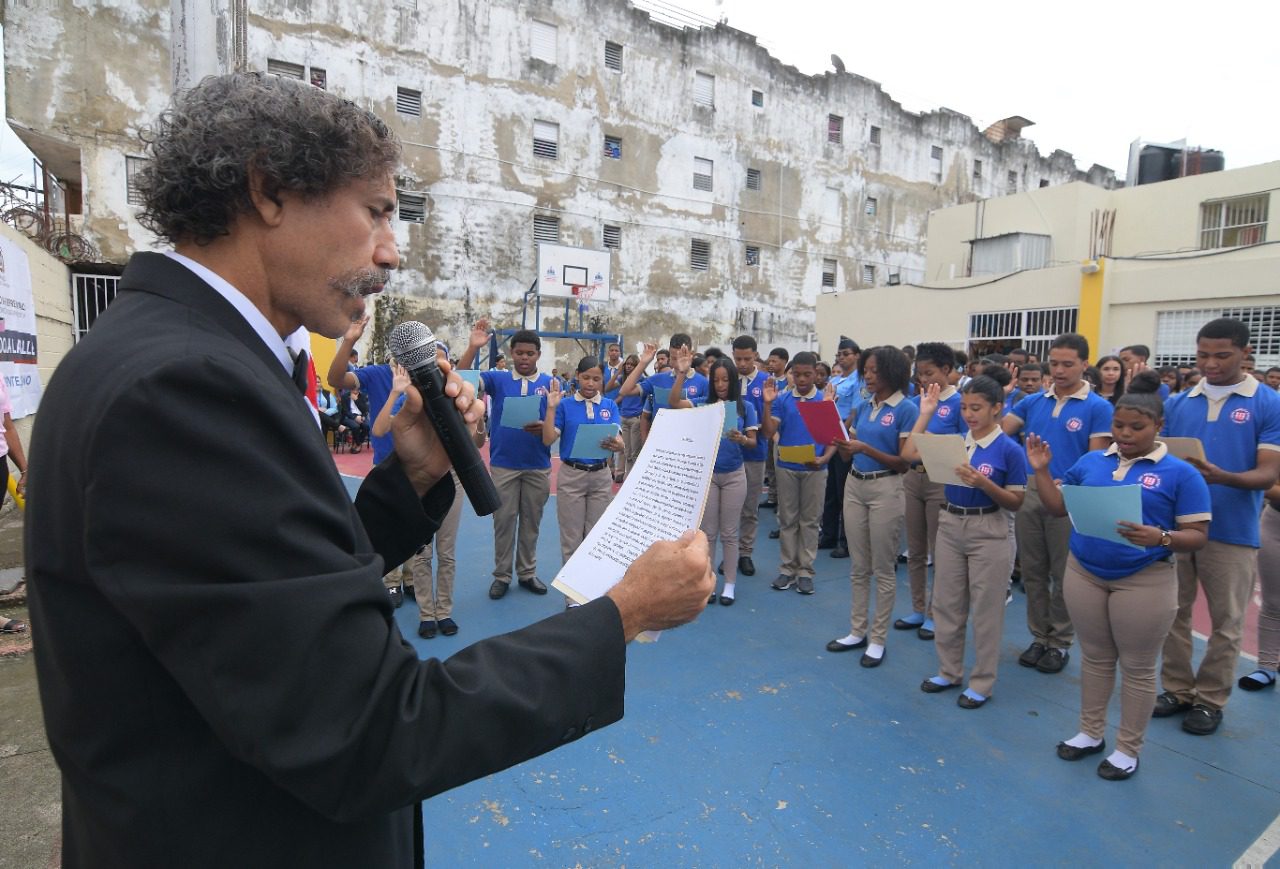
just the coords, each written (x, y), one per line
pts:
(665, 587)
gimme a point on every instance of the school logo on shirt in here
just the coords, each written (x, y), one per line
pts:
(691, 390)
(887, 419)
(604, 414)
(1240, 415)
(541, 390)
(986, 470)
(756, 391)
(1075, 424)
(1150, 481)
(944, 411)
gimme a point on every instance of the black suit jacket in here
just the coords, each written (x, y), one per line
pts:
(222, 680)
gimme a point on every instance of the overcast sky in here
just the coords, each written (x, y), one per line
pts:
(1093, 75)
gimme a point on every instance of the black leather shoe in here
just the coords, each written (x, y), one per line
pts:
(837, 646)
(1072, 752)
(397, 597)
(448, 627)
(1202, 720)
(746, 566)
(410, 593)
(905, 625)
(726, 601)
(1111, 772)
(711, 599)
(775, 534)
(1053, 660)
(1033, 654)
(869, 662)
(534, 585)
(924, 633)
(1249, 683)
(964, 701)
(1168, 705)
(498, 589)
(840, 552)
(426, 630)
(929, 686)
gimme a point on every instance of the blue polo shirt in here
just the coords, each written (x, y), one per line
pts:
(1232, 433)
(513, 448)
(946, 419)
(695, 388)
(571, 413)
(792, 431)
(753, 394)
(631, 406)
(848, 391)
(609, 371)
(375, 383)
(729, 457)
(1172, 492)
(1066, 428)
(883, 426)
(997, 457)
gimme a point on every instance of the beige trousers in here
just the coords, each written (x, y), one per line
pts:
(1043, 548)
(720, 518)
(1120, 620)
(1226, 572)
(751, 506)
(872, 511)
(435, 595)
(524, 494)
(970, 575)
(581, 499)
(632, 441)
(799, 514)
(922, 500)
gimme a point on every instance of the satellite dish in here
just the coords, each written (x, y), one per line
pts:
(837, 63)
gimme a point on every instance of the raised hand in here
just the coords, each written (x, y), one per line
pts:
(829, 394)
(770, 389)
(1039, 455)
(681, 360)
(356, 329)
(650, 350)
(399, 378)
(929, 400)
(553, 395)
(479, 334)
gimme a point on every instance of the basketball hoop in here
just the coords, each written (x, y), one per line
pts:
(584, 295)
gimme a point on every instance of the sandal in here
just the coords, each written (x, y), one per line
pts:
(1257, 680)
(13, 626)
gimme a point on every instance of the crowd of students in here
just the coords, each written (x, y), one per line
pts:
(1029, 427)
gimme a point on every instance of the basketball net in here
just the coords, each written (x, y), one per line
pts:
(584, 295)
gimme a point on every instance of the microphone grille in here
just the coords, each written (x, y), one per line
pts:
(412, 344)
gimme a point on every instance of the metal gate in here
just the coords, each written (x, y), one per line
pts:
(90, 295)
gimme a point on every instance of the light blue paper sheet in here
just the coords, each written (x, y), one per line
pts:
(661, 398)
(472, 376)
(1095, 510)
(520, 410)
(730, 419)
(586, 442)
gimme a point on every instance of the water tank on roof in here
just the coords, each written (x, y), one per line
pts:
(1200, 162)
(1158, 164)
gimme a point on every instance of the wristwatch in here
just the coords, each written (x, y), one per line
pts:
(1166, 539)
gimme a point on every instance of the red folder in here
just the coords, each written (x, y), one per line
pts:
(823, 421)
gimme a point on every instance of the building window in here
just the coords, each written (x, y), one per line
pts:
(699, 255)
(1234, 222)
(286, 69)
(1011, 185)
(546, 228)
(613, 147)
(704, 89)
(757, 99)
(1011, 252)
(835, 129)
(132, 167)
(613, 56)
(703, 170)
(318, 78)
(1175, 342)
(753, 255)
(413, 207)
(546, 139)
(977, 170)
(1044, 182)
(542, 41)
(870, 207)
(1033, 331)
(831, 203)
(868, 275)
(873, 135)
(409, 102)
(753, 179)
(93, 293)
(612, 237)
(935, 163)
(829, 268)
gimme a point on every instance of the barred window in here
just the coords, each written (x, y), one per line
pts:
(613, 56)
(753, 255)
(1234, 222)
(835, 129)
(699, 254)
(871, 206)
(757, 99)
(869, 275)
(412, 206)
(286, 69)
(703, 170)
(409, 102)
(753, 179)
(873, 136)
(132, 167)
(829, 269)
(613, 147)
(612, 237)
(546, 227)
(546, 139)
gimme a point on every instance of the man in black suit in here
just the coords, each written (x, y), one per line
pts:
(222, 680)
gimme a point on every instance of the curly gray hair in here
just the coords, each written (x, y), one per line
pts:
(298, 137)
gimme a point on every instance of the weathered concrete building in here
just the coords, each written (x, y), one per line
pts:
(732, 189)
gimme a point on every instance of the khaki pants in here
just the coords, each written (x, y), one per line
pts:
(872, 511)
(799, 512)
(435, 599)
(524, 494)
(1122, 620)
(751, 506)
(922, 500)
(1043, 548)
(581, 499)
(771, 471)
(721, 517)
(632, 441)
(1226, 572)
(970, 574)
(1269, 580)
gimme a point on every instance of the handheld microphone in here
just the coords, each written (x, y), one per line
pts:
(414, 347)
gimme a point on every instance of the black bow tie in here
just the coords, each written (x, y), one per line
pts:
(300, 371)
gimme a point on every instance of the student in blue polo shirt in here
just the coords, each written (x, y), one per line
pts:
(519, 462)
(1123, 598)
(873, 497)
(631, 407)
(695, 388)
(847, 386)
(1237, 419)
(584, 486)
(728, 480)
(751, 387)
(612, 366)
(922, 498)
(971, 561)
(799, 485)
(1074, 420)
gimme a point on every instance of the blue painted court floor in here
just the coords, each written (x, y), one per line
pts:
(746, 743)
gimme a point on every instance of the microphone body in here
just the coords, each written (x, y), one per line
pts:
(414, 347)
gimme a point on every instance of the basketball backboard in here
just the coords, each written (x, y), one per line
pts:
(573, 273)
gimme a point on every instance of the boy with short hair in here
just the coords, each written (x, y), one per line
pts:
(776, 367)
(752, 383)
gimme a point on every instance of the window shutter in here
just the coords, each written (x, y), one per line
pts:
(699, 254)
(409, 102)
(546, 139)
(546, 228)
(413, 207)
(613, 56)
(286, 69)
(542, 41)
(829, 272)
(704, 89)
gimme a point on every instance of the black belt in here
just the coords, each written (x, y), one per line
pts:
(582, 466)
(874, 475)
(970, 511)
